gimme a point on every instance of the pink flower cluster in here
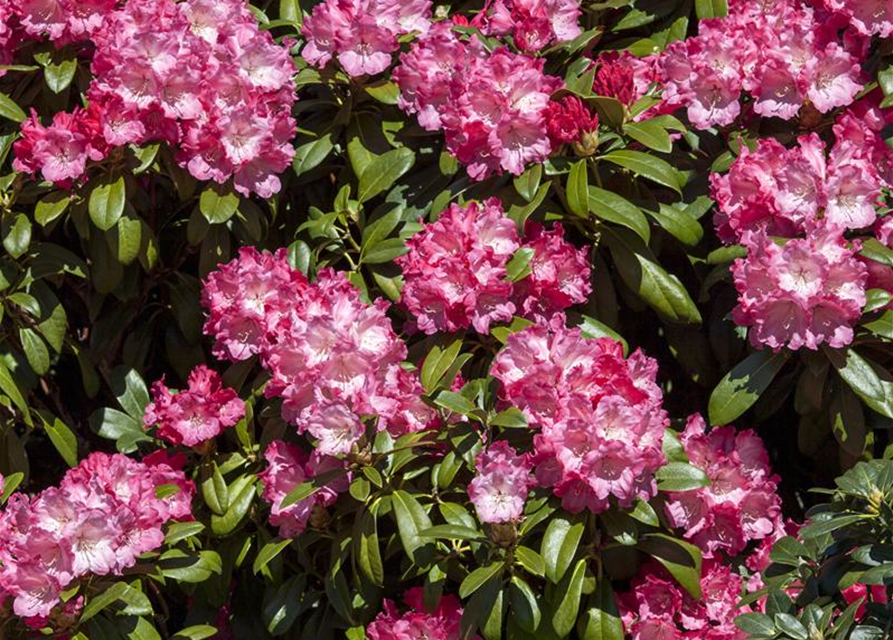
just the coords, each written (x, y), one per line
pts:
(811, 290)
(333, 358)
(658, 609)
(416, 622)
(533, 24)
(808, 292)
(499, 489)
(784, 191)
(63, 21)
(104, 514)
(784, 54)
(197, 414)
(198, 75)
(361, 35)
(600, 416)
(868, 17)
(288, 468)
(455, 270)
(740, 504)
(491, 106)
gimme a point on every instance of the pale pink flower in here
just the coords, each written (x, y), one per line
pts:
(499, 489)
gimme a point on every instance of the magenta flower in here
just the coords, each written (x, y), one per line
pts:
(197, 414)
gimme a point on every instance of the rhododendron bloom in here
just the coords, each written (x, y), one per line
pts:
(534, 24)
(559, 273)
(657, 608)
(288, 467)
(808, 292)
(568, 120)
(454, 272)
(491, 105)
(245, 300)
(104, 514)
(869, 17)
(196, 414)
(207, 81)
(600, 416)
(440, 624)
(61, 151)
(361, 34)
(740, 504)
(499, 489)
(781, 53)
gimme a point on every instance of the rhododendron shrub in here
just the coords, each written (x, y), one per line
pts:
(391, 319)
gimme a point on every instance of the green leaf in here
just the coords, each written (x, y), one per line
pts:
(369, 551)
(59, 75)
(882, 326)
(680, 558)
(532, 562)
(452, 532)
(438, 362)
(63, 439)
(528, 182)
(268, 552)
(385, 251)
(10, 110)
(282, 606)
(455, 402)
(743, 385)
(756, 625)
(565, 616)
(16, 231)
(310, 155)
(638, 269)
(50, 207)
(519, 267)
(606, 205)
(680, 476)
(559, 546)
(577, 189)
(650, 134)
(106, 204)
(876, 251)
(196, 632)
(525, 609)
(706, 9)
(847, 420)
(601, 619)
(411, 520)
(474, 580)
(791, 626)
(179, 531)
(646, 166)
(36, 351)
(135, 600)
(189, 567)
(679, 224)
(130, 391)
(868, 380)
(9, 387)
(383, 172)
(385, 92)
(511, 418)
(218, 204)
(10, 484)
(381, 227)
(118, 426)
(610, 110)
(241, 494)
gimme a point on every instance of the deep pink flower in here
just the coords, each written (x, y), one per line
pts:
(439, 624)
(499, 489)
(196, 414)
(599, 415)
